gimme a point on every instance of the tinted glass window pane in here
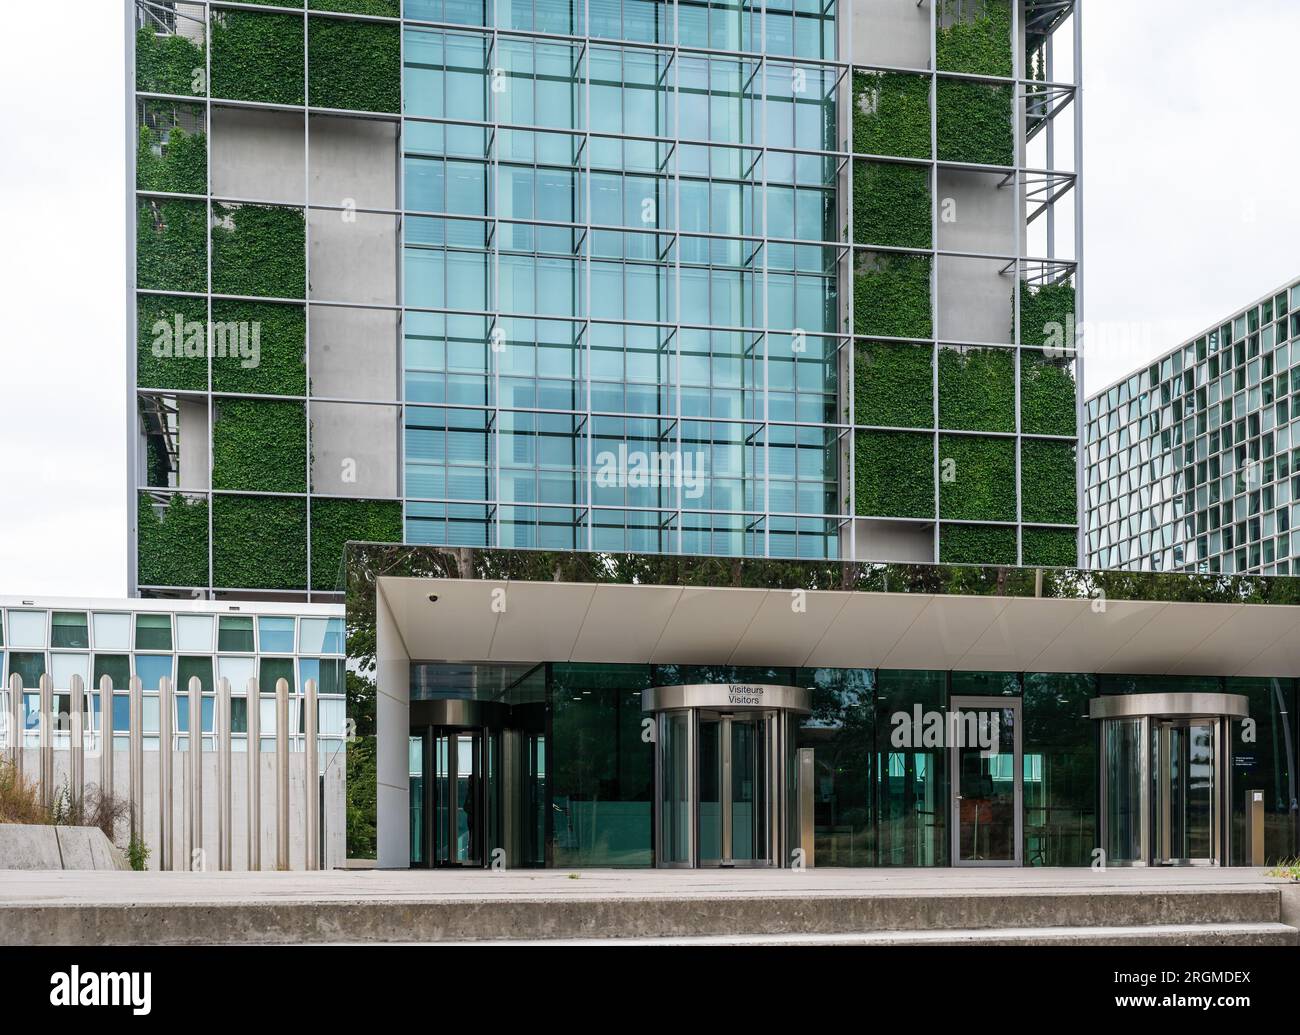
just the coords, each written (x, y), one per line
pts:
(69, 629)
(276, 635)
(64, 666)
(194, 632)
(200, 667)
(112, 632)
(116, 666)
(273, 669)
(28, 665)
(328, 673)
(238, 671)
(121, 713)
(153, 632)
(235, 633)
(151, 668)
(322, 636)
(27, 628)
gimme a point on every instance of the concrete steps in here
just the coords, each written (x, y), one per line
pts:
(1111, 914)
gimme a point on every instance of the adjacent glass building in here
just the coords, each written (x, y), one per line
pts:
(1193, 463)
(745, 280)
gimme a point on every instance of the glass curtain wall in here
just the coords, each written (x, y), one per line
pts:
(620, 286)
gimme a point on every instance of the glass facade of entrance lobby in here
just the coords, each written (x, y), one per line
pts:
(576, 762)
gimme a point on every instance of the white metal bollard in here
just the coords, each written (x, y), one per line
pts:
(223, 773)
(17, 733)
(311, 803)
(281, 774)
(77, 738)
(45, 728)
(165, 772)
(105, 734)
(254, 775)
(195, 860)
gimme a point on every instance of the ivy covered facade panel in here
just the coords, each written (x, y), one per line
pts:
(963, 327)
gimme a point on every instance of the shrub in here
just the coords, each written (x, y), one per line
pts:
(171, 245)
(168, 64)
(259, 250)
(974, 37)
(894, 474)
(172, 546)
(891, 205)
(977, 544)
(977, 389)
(975, 123)
(280, 332)
(977, 478)
(336, 521)
(259, 445)
(1050, 548)
(891, 296)
(354, 65)
(259, 542)
(891, 114)
(1047, 395)
(1048, 487)
(893, 385)
(383, 8)
(177, 370)
(257, 57)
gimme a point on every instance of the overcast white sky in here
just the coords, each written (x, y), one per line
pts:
(1191, 161)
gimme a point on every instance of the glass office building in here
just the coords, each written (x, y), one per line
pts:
(775, 280)
(1193, 463)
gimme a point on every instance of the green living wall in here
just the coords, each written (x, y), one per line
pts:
(171, 245)
(891, 205)
(974, 123)
(891, 114)
(259, 250)
(180, 166)
(164, 358)
(1048, 488)
(173, 545)
(893, 385)
(257, 57)
(1047, 315)
(977, 544)
(276, 337)
(1047, 395)
(977, 478)
(168, 64)
(354, 65)
(380, 8)
(335, 522)
(974, 36)
(891, 296)
(259, 542)
(894, 474)
(977, 389)
(259, 445)
(1050, 548)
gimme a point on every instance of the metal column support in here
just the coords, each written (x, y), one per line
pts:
(282, 774)
(77, 738)
(165, 773)
(105, 734)
(135, 756)
(46, 740)
(17, 733)
(311, 801)
(196, 860)
(254, 710)
(224, 773)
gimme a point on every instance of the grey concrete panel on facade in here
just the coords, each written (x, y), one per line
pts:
(883, 540)
(975, 214)
(192, 439)
(353, 257)
(353, 162)
(258, 155)
(353, 352)
(354, 449)
(974, 300)
(891, 32)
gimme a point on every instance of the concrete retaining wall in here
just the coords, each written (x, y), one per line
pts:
(39, 847)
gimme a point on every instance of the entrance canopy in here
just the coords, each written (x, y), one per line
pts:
(530, 622)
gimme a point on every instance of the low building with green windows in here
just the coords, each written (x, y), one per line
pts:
(1193, 462)
(49, 645)
(532, 708)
